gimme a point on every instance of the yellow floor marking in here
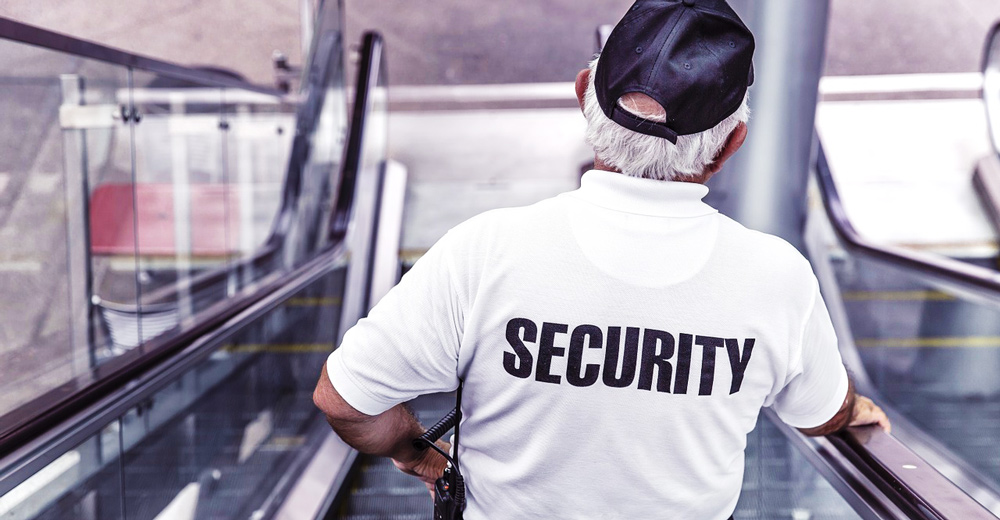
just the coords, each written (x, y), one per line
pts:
(288, 441)
(948, 245)
(896, 295)
(278, 348)
(410, 256)
(313, 301)
(956, 341)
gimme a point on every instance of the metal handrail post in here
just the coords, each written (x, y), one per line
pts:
(78, 264)
(180, 177)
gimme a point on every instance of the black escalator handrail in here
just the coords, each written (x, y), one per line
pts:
(119, 371)
(369, 77)
(906, 478)
(990, 68)
(84, 418)
(880, 477)
(980, 281)
(29, 34)
(324, 56)
(207, 279)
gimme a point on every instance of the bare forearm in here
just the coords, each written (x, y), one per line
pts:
(388, 434)
(857, 410)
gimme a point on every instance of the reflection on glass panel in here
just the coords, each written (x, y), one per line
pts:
(83, 483)
(258, 141)
(215, 443)
(59, 142)
(326, 139)
(183, 205)
(106, 156)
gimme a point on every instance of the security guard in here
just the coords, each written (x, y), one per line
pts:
(616, 342)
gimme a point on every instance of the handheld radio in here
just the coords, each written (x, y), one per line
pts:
(449, 489)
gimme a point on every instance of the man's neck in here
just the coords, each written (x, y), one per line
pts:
(599, 164)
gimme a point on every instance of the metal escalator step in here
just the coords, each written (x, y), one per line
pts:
(385, 506)
(372, 478)
(400, 516)
(392, 492)
(382, 491)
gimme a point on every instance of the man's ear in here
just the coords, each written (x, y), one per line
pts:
(733, 143)
(582, 78)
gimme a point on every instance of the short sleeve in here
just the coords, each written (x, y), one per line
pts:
(817, 384)
(409, 343)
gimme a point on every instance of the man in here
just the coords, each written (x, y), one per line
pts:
(617, 342)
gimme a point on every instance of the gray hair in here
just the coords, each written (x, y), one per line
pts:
(651, 157)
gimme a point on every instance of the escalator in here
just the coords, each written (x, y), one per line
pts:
(199, 363)
(919, 331)
(207, 273)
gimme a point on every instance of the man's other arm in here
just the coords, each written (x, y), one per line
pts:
(857, 410)
(388, 434)
(819, 378)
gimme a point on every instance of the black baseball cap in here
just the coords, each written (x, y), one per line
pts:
(693, 57)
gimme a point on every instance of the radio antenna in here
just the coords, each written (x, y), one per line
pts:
(458, 419)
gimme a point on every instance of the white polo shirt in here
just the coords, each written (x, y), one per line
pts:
(617, 343)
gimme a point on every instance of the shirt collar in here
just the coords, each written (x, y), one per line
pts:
(621, 192)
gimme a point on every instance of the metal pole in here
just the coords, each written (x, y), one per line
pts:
(225, 133)
(763, 186)
(245, 185)
(308, 14)
(183, 223)
(78, 232)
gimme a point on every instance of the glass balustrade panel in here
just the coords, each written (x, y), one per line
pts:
(184, 208)
(216, 442)
(67, 251)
